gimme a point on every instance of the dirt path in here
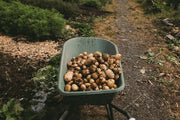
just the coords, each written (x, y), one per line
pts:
(141, 97)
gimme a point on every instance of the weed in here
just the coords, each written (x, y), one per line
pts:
(166, 8)
(171, 46)
(156, 61)
(172, 58)
(55, 61)
(92, 19)
(164, 81)
(175, 42)
(8, 78)
(83, 29)
(46, 78)
(11, 111)
(152, 57)
(93, 3)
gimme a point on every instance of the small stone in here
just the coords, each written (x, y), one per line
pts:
(155, 30)
(175, 30)
(136, 104)
(166, 21)
(170, 37)
(176, 48)
(161, 74)
(143, 70)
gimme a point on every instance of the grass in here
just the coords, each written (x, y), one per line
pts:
(163, 9)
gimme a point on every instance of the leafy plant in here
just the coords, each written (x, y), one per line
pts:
(83, 29)
(175, 42)
(46, 78)
(172, 58)
(55, 61)
(16, 18)
(152, 57)
(96, 3)
(11, 111)
(68, 8)
(168, 8)
(93, 3)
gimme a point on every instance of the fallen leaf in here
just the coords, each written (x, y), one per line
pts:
(177, 76)
(143, 70)
(161, 74)
(143, 57)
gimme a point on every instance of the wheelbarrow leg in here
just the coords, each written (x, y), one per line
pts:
(109, 112)
(122, 111)
(64, 115)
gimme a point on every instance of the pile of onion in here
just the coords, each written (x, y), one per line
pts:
(93, 71)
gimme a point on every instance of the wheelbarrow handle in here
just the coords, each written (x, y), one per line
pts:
(122, 111)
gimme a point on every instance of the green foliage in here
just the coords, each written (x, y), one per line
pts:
(46, 78)
(96, 3)
(11, 111)
(55, 61)
(175, 42)
(73, 1)
(159, 5)
(93, 3)
(68, 8)
(172, 58)
(173, 3)
(166, 8)
(171, 46)
(16, 18)
(84, 29)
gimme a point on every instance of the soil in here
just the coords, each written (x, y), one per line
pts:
(19, 60)
(144, 97)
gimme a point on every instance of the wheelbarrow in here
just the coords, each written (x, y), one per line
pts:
(72, 48)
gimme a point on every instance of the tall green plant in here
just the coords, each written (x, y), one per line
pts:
(11, 111)
(16, 18)
(68, 8)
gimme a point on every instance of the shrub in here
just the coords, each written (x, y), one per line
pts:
(84, 29)
(73, 1)
(16, 18)
(159, 5)
(168, 8)
(69, 9)
(175, 42)
(11, 111)
(96, 3)
(93, 3)
(173, 3)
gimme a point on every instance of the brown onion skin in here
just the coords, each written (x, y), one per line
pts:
(92, 71)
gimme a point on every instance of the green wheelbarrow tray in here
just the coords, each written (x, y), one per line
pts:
(72, 48)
